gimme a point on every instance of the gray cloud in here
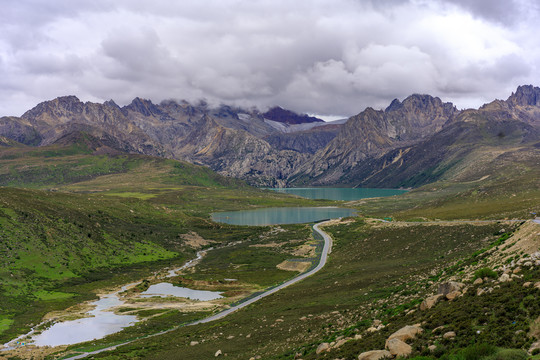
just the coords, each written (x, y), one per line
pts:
(324, 57)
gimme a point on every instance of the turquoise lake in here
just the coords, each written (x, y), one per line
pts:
(346, 194)
(282, 215)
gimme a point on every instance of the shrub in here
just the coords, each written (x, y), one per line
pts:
(509, 354)
(485, 272)
(478, 351)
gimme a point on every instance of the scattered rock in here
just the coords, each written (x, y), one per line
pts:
(438, 328)
(374, 355)
(449, 335)
(376, 323)
(357, 337)
(193, 343)
(429, 302)
(537, 285)
(218, 353)
(446, 288)
(340, 343)
(432, 348)
(452, 295)
(372, 329)
(505, 278)
(322, 348)
(406, 333)
(398, 347)
(516, 270)
(527, 284)
(479, 292)
(527, 264)
(478, 281)
(534, 346)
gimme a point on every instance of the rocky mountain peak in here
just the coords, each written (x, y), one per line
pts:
(59, 107)
(143, 106)
(394, 105)
(525, 95)
(111, 103)
(289, 117)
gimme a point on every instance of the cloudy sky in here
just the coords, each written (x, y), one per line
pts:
(326, 57)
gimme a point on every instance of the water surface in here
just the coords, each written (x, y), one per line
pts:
(101, 323)
(167, 289)
(282, 215)
(346, 194)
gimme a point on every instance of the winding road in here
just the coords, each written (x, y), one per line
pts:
(322, 261)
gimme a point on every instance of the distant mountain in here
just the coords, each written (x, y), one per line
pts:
(373, 133)
(289, 117)
(423, 140)
(410, 143)
(227, 139)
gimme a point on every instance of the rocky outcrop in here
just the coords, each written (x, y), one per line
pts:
(322, 348)
(430, 301)
(406, 333)
(397, 347)
(374, 355)
(449, 287)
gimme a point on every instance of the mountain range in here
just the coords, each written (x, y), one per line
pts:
(410, 143)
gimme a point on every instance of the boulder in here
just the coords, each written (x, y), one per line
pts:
(527, 284)
(446, 288)
(340, 343)
(438, 329)
(322, 348)
(218, 353)
(505, 278)
(516, 270)
(429, 302)
(398, 347)
(449, 335)
(534, 346)
(478, 281)
(193, 343)
(537, 285)
(480, 292)
(452, 295)
(357, 337)
(406, 333)
(374, 355)
(432, 348)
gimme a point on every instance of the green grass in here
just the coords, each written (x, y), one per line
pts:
(5, 323)
(51, 295)
(366, 266)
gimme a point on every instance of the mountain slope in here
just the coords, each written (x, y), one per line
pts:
(423, 140)
(410, 143)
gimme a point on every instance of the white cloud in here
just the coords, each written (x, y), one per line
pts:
(326, 57)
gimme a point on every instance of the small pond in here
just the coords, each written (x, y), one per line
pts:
(101, 323)
(167, 289)
(282, 215)
(345, 194)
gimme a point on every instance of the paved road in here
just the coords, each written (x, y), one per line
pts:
(322, 261)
